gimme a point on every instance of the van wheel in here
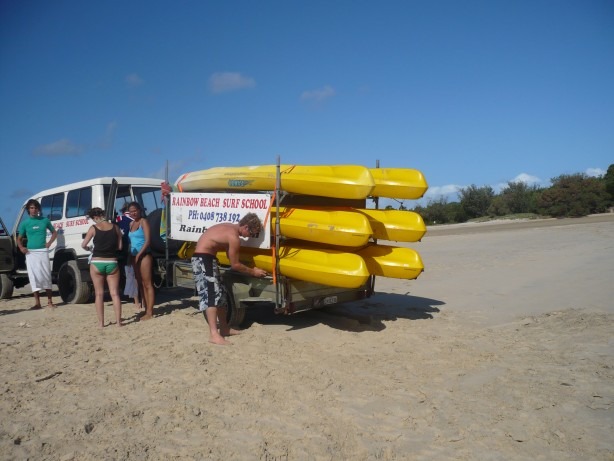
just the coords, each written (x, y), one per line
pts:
(6, 287)
(72, 289)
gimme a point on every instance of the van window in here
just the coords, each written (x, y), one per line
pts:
(52, 206)
(78, 202)
(122, 198)
(149, 198)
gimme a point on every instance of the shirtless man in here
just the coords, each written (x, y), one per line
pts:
(213, 296)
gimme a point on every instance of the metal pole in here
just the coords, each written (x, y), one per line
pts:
(277, 235)
(376, 200)
(167, 210)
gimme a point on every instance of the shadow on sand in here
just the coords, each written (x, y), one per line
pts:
(366, 315)
(22, 294)
(358, 316)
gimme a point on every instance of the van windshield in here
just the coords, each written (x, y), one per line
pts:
(148, 196)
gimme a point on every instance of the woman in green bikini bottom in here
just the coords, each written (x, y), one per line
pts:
(107, 239)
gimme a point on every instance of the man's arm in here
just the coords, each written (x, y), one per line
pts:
(234, 247)
(20, 233)
(54, 235)
(23, 249)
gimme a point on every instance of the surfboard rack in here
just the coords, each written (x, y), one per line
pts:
(279, 308)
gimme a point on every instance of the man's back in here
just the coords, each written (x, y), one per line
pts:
(218, 238)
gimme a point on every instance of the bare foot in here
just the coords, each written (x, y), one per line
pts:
(231, 332)
(219, 341)
(50, 306)
(34, 308)
(145, 317)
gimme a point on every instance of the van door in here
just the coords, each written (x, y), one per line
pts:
(109, 206)
(7, 260)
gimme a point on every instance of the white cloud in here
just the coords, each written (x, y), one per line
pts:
(595, 172)
(527, 179)
(133, 80)
(63, 147)
(222, 82)
(20, 193)
(451, 192)
(318, 95)
(435, 192)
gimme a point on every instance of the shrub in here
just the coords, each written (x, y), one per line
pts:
(573, 196)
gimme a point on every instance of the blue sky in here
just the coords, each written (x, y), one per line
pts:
(468, 92)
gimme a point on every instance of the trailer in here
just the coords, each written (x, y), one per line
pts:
(189, 214)
(288, 296)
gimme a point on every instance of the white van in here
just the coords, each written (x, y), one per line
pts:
(66, 207)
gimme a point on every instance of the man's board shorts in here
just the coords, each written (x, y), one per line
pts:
(209, 285)
(105, 267)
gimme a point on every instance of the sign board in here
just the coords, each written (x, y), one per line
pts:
(192, 213)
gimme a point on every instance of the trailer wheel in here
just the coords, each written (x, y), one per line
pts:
(73, 289)
(6, 287)
(236, 312)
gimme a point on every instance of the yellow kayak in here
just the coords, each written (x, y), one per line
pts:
(337, 181)
(327, 266)
(318, 265)
(393, 262)
(395, 225)
(400, 183)
(330, 227)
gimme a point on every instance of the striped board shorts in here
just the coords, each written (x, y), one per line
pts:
(209, 285)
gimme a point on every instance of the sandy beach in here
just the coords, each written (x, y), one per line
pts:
(502, 350)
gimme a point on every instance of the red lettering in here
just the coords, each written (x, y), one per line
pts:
(231, 203)
(209, 202)
(254, 203)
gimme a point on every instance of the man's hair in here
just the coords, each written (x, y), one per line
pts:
(33, 202)
(253, 222)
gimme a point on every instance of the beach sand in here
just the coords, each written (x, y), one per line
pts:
(502, 350)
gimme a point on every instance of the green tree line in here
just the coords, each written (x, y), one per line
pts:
(571, 195)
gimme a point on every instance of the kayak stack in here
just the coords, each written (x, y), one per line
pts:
(335, 181)
(328, 235)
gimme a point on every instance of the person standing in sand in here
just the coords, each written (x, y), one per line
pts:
(34, 229)
(104, 265)
(141, 258)
(131, 286)
(213, 296)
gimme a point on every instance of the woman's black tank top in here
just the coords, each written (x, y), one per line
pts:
(105, 243)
